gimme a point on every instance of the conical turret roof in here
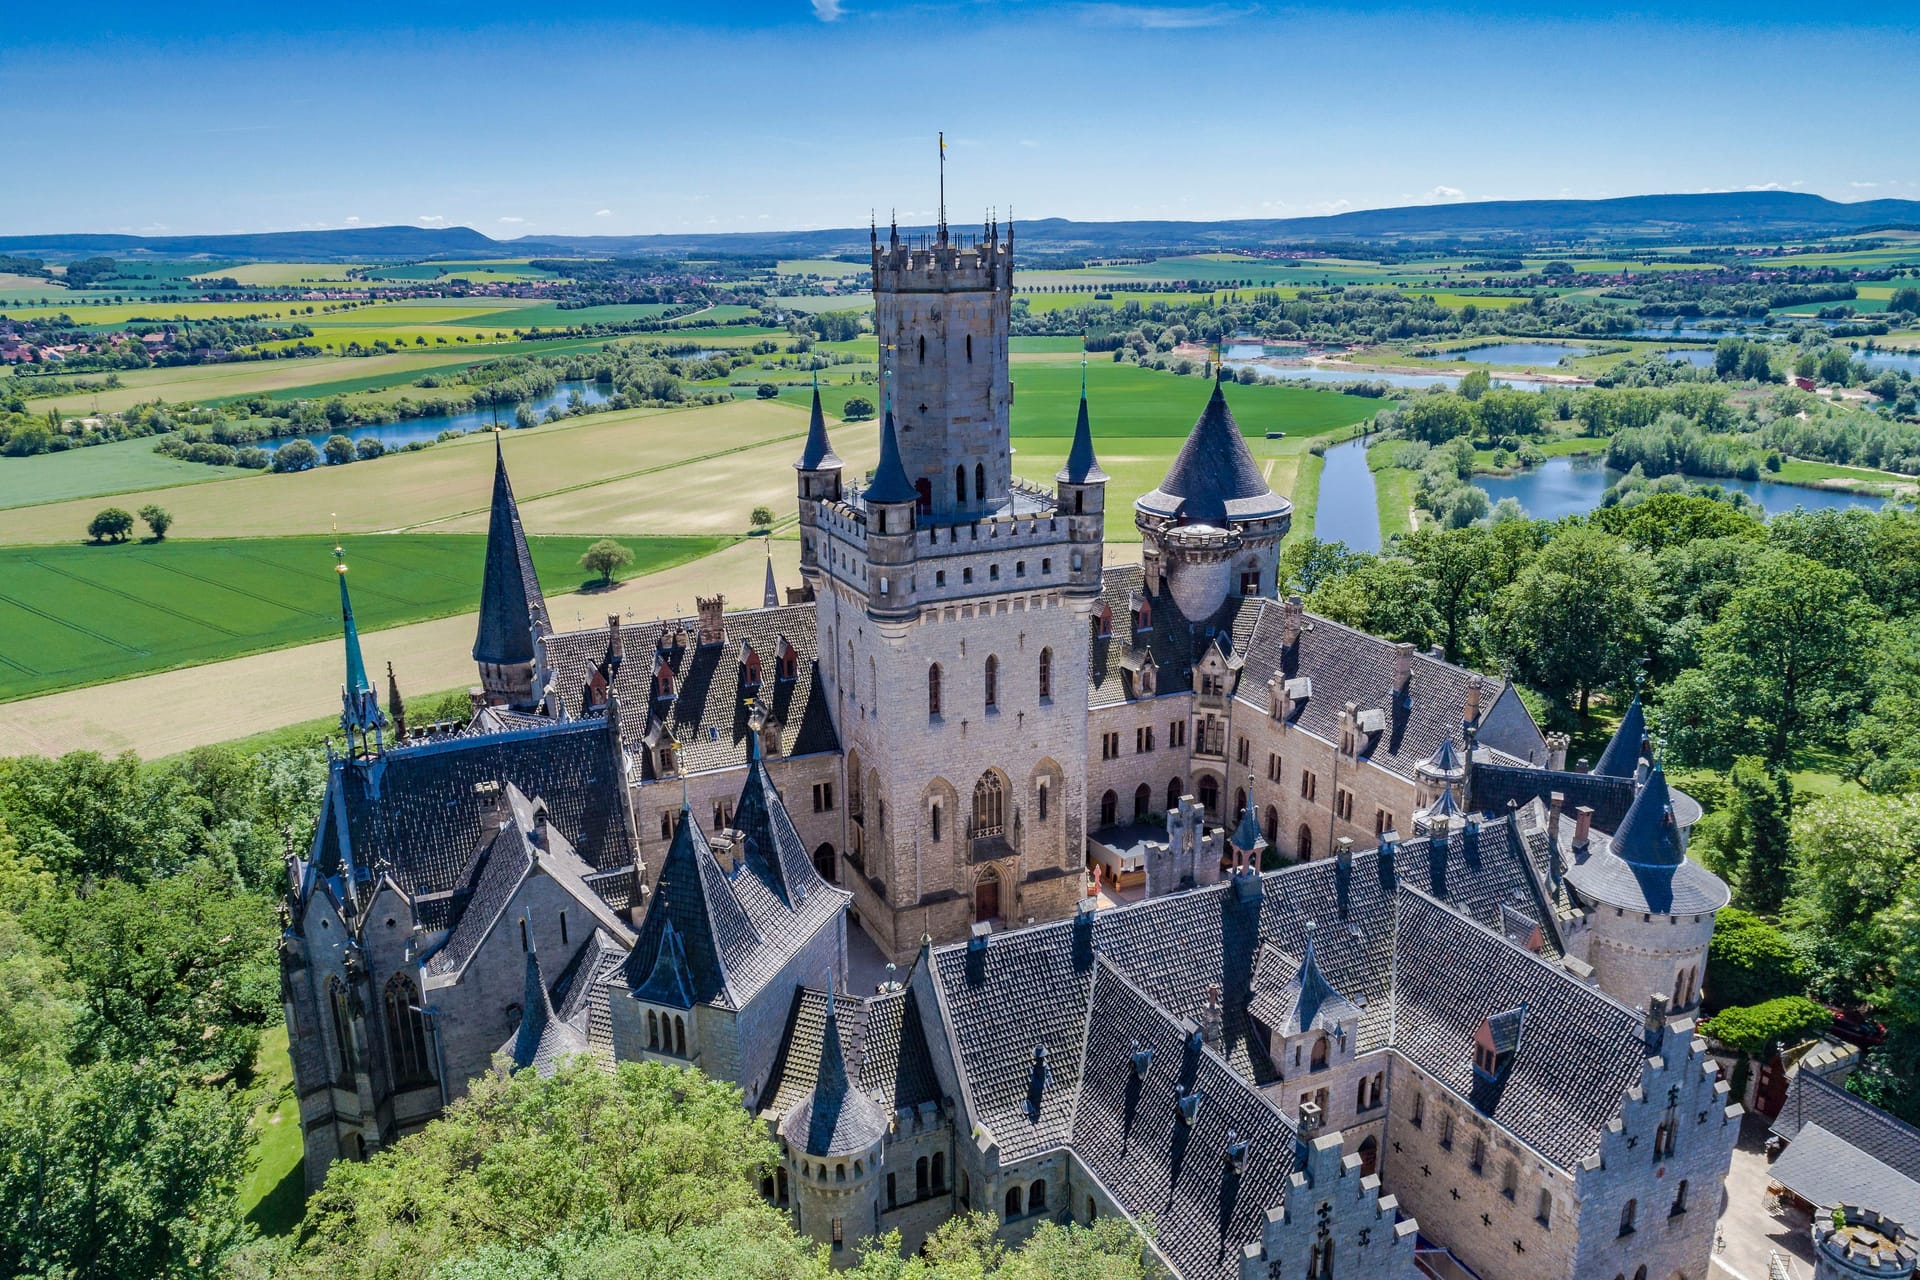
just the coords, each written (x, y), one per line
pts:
(1082, 467)
(1246, 836)
(836, 1118)
(509, 591)
(359, 705)
(818, 455)
(1214, 478)
(770, 594)
(890, 483)
(1621, 759)
(1645, 865)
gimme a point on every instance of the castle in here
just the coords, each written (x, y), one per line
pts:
(1396, 977)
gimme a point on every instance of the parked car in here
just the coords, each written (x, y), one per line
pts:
(1855, 1027)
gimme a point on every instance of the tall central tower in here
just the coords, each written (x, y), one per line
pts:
(954, 607)
(942, 308)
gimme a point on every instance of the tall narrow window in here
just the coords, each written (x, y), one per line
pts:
(979, 483)
(1680, 1197)
(1142, 802)
(1626, 1217)
(993, 683)
(342, 1027)
(923, 348)
(1046, 673)
(1544, 1214)
(1109, 808)
(960, 485)
(936, 821)
(406, 1031)
(1043, 802)
(933, 690)
(969, 348)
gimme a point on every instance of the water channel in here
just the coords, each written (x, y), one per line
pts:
(1534, 353)
(1349, 506)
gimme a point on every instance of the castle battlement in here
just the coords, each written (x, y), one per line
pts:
(958, 264)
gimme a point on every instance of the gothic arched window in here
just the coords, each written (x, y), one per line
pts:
(1173, 793)
(406, 1031)
(923, 348)
(960, 485)
(342, 1012)
(993, 683)
(1046, 673)
(989, 806)
(979, 482)
(1109, 808)
(1142, 802)
(933, 690)
(935, 819)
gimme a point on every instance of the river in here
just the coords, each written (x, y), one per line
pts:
(1349, 507)
(397, 435)
(1573, 486)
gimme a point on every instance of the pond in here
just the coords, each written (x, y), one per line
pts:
(398, 435)
(1908, 360)
(1547, 353)
(1348, 373)
(1574, 486)
(1349, 509)
(1698, 357)
(1254, 349)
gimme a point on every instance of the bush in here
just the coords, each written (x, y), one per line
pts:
(605, 556)
(339, 449)
(368, 447)
(857, 407)
(762, 517)
(158, 519)
(296, 455)
(1755, 1029)
(767, 391)
(112, 525)
(1751, 961)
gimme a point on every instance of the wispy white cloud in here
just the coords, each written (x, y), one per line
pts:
(513, 219)
(1154, 17)
(431, 219)
(1445, 193)
(827, 10)
(1774, 186)
(353, 219)
(603, 213)
(1863, 186)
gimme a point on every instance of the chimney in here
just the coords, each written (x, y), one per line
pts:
(540, 832)
(712, 630)
(1292, 615)
(977, 953)
(1556, 800)
(1343, 853)
(1475, 685)
(1083, 933)
(1557, 744)
(1582, 825)
(1656, 1020)
(1403, 674)
(614, 648)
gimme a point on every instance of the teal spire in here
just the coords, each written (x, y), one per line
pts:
(1082, 467)
(359, 705)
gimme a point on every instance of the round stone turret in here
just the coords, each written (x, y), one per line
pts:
(1864, 1243)
(1214, 525)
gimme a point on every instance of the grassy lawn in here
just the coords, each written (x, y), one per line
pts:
(121, 467)
(83, 615)
(1306, 494)
(1125, 400)
(274, 1196)
(1393, 487)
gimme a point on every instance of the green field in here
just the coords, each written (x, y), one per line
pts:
(1126, 401)
(274, 1196)
(121, 467)
(82, 615)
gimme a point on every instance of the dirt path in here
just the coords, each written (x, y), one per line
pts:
(174, 711)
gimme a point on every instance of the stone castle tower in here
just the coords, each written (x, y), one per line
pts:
(954, 604)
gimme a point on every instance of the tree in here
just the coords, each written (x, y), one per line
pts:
(856, 408)
(1755, 1029)
(296, 455)
(1906, 298)
(113, 524)
(1384, 595)
(338, 450)
(604, 557)
(1853, 855)
(761, 517)
(1759, 812)
(158, 519)
(1750, 961)
(1454, 563)
(1576, 619)
(367, 447)
(1783, 663)
(766, 391)
(1307, 563)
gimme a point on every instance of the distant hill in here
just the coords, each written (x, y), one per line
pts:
(1714, 216)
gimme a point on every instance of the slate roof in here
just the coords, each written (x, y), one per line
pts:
(1628, 744)
(510, 594)
(709, 713)
(728, 932)
(542, 1039)
(583, 990)
(1644, 866)
(1345, 665)
(835, 1117)
(1292, 996)
(1825, 1169)
(415, 812)
(1128, 1132)
(889, 483)
(883, 1040)
(1082, 467)
(1495, 784)
(1815, 1100)
(818, 454)
(1214, 478)
(1580, 1054)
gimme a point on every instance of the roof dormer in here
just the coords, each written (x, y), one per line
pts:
(1496, 1042)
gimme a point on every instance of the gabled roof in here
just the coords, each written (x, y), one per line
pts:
(542, 1039)
(1844, 1150)
(836, 1117)
(734, 930)
(1291, 998)
(509, 590)
(1629, 741)
(882, 1038)
(773, 846)
(1214, 478)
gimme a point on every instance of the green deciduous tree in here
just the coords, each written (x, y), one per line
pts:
(1750, 961)
(605, 557)
(1456, 565)
(1853, 856)
(158, 519)
(1576, 619)
(856, 407)
(761, 517)
(338, 450)
(113, 524)
(1756, 1029)
(296, 455)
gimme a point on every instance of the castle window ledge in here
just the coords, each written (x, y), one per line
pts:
(989, 847)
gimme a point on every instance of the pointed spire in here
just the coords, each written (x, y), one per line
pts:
(831, 1085)
(1628, 744)
(770, 597)
(1246, 837)
(1648, 835)
(359, 705)
(1082, 467)
(1214, 478)
(509, 592)
(818, 455)
(536, 1007)
(890, 482)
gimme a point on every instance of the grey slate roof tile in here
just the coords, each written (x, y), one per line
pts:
(1214, 478)
(884, 1044)
(1817, 1100)
(509, 591)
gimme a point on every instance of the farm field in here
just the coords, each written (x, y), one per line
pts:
(408, 490)
(91, 614)
(1125, 400)
(124, 466)
(496, 313)
(274, 274)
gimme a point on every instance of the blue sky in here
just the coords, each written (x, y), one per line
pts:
(580, 119)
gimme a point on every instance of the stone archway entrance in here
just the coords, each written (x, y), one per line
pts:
(986, 897)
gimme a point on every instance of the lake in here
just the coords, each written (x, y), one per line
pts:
(1698, 357)
(398, 435)
(1908, 360)
(1574, 486)
(1547, 353)
(1347, 373)
(1349, 509)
